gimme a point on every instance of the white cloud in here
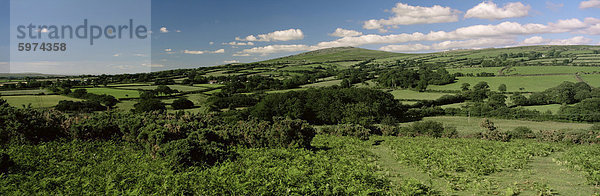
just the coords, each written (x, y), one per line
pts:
(404, 14)
(489, 10)
(446, 45)
(339, 32)
(178, 31)
(153, 65)
(534, 40)
(589, 4)
(231, 61)
(211, 43)
(168, 50)
(538, 40)
(239, 43)
(164, 30)
(116, 55)
(193, 52)
(241, 54)
(219, 51)
(502, 31)
(274, 49)
(284, 35)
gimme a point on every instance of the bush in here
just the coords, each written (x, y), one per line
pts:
(201, 148)
(285, 133)
(182, 103)
(5, 163)
(348, 130)
(423, 128)
(387, 130)
(496, 135)
(522, 133)
(79, 106)
(148, 105)
(95, 127)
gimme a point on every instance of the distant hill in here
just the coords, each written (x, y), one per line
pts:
(334, 55)
(23, 75)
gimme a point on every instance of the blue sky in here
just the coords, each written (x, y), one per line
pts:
(188, 34)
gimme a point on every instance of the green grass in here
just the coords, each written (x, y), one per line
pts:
(593, 79)
(475, 70)
(180, 88)
(213, 91)
(209, 85)
(41, 101)
(323, 84)
(25, 92)
(543, 108)
(513, 83)
(526, 70)
(129, 84)
(469, 126)
(415, 95)
(117, 93)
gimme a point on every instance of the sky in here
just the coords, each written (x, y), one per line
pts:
(190, 34)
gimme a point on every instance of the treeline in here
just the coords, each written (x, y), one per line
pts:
(414, 79)
(565, 93)
(330, 106)
(485, 103)
(93, 102)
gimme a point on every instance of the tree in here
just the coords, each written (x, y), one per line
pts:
(182, 103)
(164, 89)
(502, 88)
(346, 83)
(497, 100)
(519, 100)
(465, 86)
(148, 105)
(487, 124)
(79, 93)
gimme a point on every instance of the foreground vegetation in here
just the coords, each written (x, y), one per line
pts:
(339, 121)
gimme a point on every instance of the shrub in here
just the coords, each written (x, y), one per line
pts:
(281, 132)
(182, 103)
(200, 148)
(522, 132)
(496, 135)
(424, 128)
(148, 105)
(95, 127)
(79, 106)
(388, 130)
(5, 163)
(348, 130)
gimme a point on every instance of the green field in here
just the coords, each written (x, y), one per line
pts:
(415, 95)
(527, 70)
(212, 91)
(25, 92)
(117, 93)
(469, 126)
(323, 84)
(180, 88)
(209, 85)
(41, 101)
(475, 70)
(592, 79)
(513, 83)
(543, 108)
